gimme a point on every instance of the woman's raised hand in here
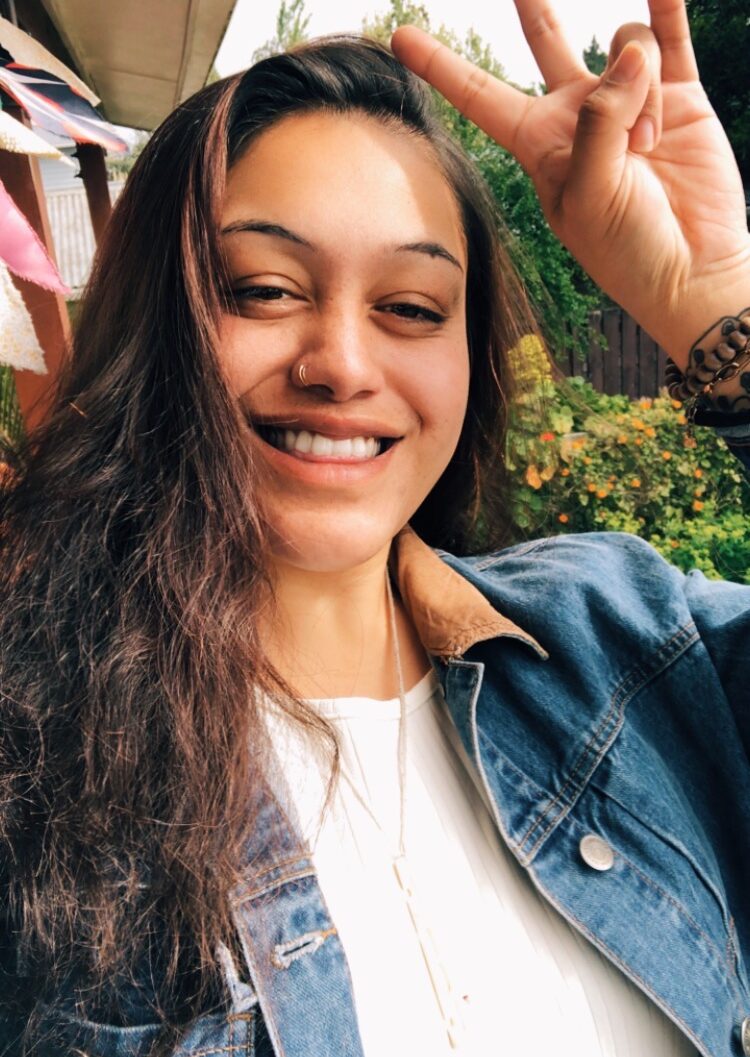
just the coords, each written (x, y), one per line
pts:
(633, 169)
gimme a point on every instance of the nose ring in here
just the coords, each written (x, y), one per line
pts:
(301, 374)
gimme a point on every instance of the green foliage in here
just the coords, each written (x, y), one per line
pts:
(119, 165)
(721, 36)
(594, 58)
(11, 423)
(586, 462)
(291, 28)
(561, 292)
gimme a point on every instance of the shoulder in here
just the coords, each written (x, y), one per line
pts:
(599, 585)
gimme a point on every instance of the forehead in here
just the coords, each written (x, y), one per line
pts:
(345, 178)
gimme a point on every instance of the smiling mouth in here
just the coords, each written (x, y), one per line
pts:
(305, 442)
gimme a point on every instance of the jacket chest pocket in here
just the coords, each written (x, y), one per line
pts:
(214, 1035)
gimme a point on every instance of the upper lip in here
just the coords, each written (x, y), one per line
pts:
(328, 425)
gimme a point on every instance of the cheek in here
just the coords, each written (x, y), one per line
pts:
(236, 367)
(444, 392)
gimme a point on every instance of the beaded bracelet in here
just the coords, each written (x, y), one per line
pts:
(716, 382)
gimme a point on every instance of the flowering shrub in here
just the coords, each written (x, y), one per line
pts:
(587, 462)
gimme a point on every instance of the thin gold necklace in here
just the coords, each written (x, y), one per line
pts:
(443, 991)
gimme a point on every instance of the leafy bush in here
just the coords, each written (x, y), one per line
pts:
(588, 462)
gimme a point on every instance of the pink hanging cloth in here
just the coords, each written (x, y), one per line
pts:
(22, 250)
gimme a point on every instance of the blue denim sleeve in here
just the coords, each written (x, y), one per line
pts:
(721, 611)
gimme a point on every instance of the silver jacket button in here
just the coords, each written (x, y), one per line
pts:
(596, 853)
(745, 1035)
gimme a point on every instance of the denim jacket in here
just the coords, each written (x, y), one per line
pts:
(604, 700)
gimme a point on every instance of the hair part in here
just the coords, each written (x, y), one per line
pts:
(133, 566)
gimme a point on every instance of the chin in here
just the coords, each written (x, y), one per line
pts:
(331, 545)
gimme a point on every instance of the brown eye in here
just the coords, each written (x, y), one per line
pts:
(258, 293)
(416, 313)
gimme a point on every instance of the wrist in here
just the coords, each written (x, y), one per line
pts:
(696, 319)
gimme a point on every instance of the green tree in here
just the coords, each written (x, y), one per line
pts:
(291, 28)
(561, 292)
(595, 58)
(721, 37)
(119, 165)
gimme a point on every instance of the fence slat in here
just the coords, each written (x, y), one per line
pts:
(633, 363)
(630, 350)
(611, 326)
(595, 372)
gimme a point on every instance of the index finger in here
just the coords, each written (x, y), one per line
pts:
(497, 108)
(671, 28)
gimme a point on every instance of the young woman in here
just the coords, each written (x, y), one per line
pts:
(241, 574)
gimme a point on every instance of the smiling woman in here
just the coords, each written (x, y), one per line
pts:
(219, 621)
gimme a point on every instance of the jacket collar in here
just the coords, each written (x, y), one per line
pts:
(449, 613)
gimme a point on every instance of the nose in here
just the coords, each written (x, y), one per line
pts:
(340, 353)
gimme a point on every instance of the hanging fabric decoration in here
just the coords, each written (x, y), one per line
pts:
(22, 250)
(19, 346)
(54, 105)
(16, 137)
(29, 52)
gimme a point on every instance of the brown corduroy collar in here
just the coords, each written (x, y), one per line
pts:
(449, 613)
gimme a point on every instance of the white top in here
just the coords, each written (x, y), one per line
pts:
(510, 972)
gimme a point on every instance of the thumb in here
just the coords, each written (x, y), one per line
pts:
(606, 117)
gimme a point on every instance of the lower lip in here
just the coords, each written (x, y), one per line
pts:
(320, 469)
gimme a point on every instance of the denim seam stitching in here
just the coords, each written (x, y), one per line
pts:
(497, 556)
(658, 999)
(688, 917)
(246, 939)
(597, 745)
(308, 871)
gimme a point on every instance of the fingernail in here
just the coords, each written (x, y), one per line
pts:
(628, 65)
(643, 135)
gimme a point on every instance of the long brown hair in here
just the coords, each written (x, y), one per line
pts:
(133, 563)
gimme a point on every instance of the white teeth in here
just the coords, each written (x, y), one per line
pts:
(317, 444)
(322, 445)
(299, 441)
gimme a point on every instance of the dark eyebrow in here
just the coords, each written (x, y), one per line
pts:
(432, 249)
(266, 228)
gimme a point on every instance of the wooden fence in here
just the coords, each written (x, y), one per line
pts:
(632, 364)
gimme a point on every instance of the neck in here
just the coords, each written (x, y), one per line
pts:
(329, 633)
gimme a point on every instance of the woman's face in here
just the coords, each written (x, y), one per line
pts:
(347, 254)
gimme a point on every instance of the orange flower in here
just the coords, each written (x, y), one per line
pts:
(546, 436)
(635, 483)
(565, 472)
(650, 431)
(666, 455)
(587, 460)
(602, 493)
(697, 505)
(677, 404)
(639, 440)
(698, 473)
(646, 403)
(622, 439)
(681, 420)
(591, 486)
(673, 544)
(532, 477)
(563, 519)
(699, 492)
(638, 423)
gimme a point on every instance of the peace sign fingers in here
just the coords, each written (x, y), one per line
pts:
(557, 62)
(669, 22)
(497, 108)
